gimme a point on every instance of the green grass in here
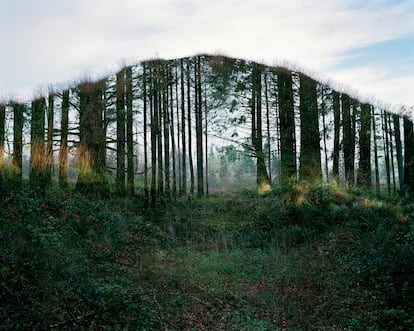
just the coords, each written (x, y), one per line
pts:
(335, 261)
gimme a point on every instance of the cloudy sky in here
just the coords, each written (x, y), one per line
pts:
(364, 45)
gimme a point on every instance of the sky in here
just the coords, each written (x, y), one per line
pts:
(363, 47)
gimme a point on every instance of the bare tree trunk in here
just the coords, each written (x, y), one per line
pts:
(190, 156)
(154, 128)
(388, 119)
(269, 147)
(374, 132)
(37, 146)
(18, 121)
(183, 190)
(92, 147)
(206, 136)
(364, 171)
(172, 131)
(63, 150)
(49, 146)
(199, 127)
(408, 156)
(120, 132)
(144, 92)
(2, 132)
(325, 129)
(337, 128)
(386, 149)
(287, 125)
(129, 132)
(166, 122)
(310, 155)
(159, 110)
(398, 147)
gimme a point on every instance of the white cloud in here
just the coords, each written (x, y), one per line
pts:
(53, 45)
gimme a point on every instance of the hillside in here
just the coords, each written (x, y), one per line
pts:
(205, 193)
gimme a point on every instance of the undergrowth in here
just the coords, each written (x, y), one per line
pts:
(299, 258)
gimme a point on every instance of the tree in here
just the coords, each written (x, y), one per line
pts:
(364, 170)
(190, 156)
(310, 155)
(92, 143)
(199, 126)
(287, 124)
(386, 149)
(50, 131)
(348, 140)
(262, 177)
(120, 132)
(144, 92)
(18, 121)
(374, 133)
(129, 131)
(408, 156)
(63, 149)
(183, 189)
(398, 147)
(37, 145)
(2, 132)
(337, 128)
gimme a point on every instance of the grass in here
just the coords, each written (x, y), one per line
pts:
(331, 260)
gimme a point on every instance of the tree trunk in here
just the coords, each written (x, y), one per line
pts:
(398, 147)
(18, 121)
(49, 146)
(199, 128)
(287, 125)
(337, 129)
(374, 132)
(190, 156)
(166, 127)
(269, 146)
(388, 119)
(91, 154)
(159, 111)
(262, 177)
(129, 132)
(154, 128)
(120, 133)
(364, 171)
(408, 156)
(172, 131)
(144, 92)
(63, 150)
(37, 146)
(183, 190)
(2, 132)
(206, 137)
(348, 140)
(386, 150)
(325, 129)
(310, 155)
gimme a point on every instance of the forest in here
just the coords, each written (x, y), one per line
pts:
(205, 193)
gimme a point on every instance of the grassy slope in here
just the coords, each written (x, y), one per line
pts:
(297, 259)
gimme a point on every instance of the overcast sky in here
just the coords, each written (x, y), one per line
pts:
(367, 45)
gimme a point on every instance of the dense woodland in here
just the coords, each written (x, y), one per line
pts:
(186, 126)
(302, 216)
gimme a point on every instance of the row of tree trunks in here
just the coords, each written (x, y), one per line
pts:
(168, 132)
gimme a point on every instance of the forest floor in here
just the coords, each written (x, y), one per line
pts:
(299, 258)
